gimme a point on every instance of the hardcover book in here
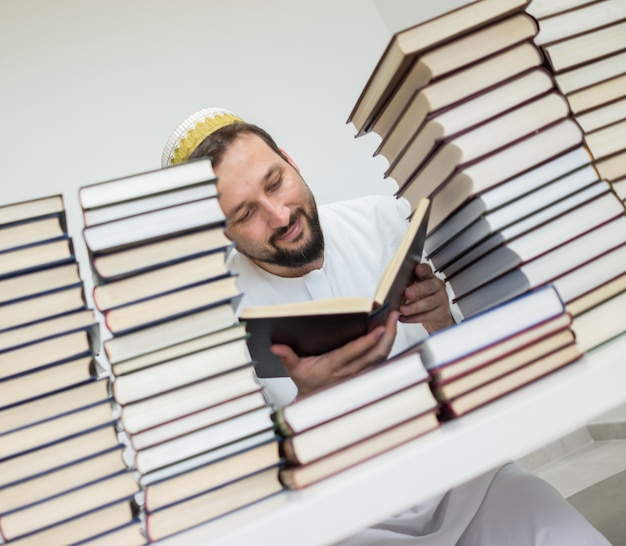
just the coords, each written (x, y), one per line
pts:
(579, 20)
(600, 324)
(159, 281)
(429, 68)
(183, 370)
(533, 190)
(539, 240)
(59, 454)
(83, 528)
(33, 257)
(153, 225)
(168, 333)
(197, 420)
(455, 386)
(65, 426)
(146, 184)
(148, 413)
(176, 350)
(572, 268)
(489, 327)
(441, 127)
(39, 282)
(33, 208)
(177, 488)
(316, 327)
(491, 171)
(593, 72)
(501, 348)
(172, 305)
(47, 328)
(597, 295)
(309, 445)
(416, 105)
(484, 141)
(406, 45)
(31, 231)
(37, 488)
(302, 476)
(510, 382)
(585, 48)
(600, 93)
(547, 8)
(144, 257)
(602, 266)
(203, 440)
(212, 504)
(53, 405)
(349, 394)
(516, 218)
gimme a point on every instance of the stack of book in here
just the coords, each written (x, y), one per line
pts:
(341, 426)
(470, 114)
(199, 428)
(63, 476)
(584, 44)
(498, 351)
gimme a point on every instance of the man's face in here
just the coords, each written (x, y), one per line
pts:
(270, 212)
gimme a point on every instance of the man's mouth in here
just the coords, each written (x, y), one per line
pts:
(292, 233)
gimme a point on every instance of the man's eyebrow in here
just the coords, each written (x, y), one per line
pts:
(233, 213)
(270, 172)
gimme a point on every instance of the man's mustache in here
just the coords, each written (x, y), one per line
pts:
(292, 220)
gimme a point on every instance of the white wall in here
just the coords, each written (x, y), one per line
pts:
(92, 89)
(400, 14)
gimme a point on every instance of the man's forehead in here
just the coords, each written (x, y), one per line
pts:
(243, 173)
(248, 154)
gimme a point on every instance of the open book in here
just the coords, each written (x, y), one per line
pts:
(316, 327)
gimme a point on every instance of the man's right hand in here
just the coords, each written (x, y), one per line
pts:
(314, 372)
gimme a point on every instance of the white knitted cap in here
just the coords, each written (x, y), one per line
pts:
(192, 131)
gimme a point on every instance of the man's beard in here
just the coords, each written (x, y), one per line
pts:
(293, 258)
(299, 257)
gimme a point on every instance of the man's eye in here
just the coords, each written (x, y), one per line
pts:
(245, 216)
(275, 185)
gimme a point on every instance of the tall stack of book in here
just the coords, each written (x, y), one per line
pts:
(191, 409)
(63, 476)
(470, 115)
(585, 46)
(348, 423)
(584, 43)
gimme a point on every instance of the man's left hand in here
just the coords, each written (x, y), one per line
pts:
(427, 301)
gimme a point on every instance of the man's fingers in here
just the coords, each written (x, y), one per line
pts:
(314, 372)
(286, 354)
(421, 306)
(371, 348)
(424, 271)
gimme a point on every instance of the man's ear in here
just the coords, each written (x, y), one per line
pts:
(289, 158)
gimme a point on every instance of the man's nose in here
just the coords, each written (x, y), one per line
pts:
(277, 214)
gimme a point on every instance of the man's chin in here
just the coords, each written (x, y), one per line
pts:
(293, 258)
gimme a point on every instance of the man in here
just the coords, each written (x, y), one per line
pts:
(288, 250)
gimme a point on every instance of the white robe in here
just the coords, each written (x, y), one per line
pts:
(360, 238)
